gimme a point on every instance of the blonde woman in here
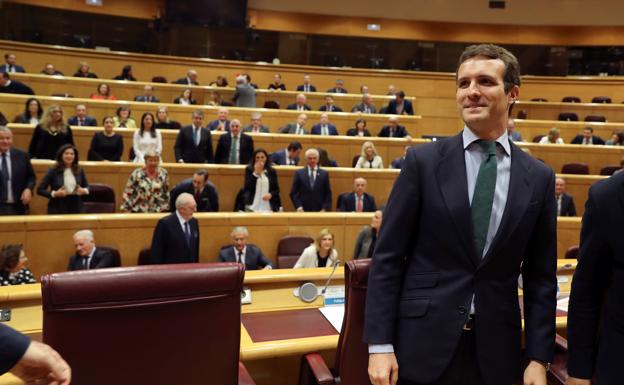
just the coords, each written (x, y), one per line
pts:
(50, 134)
(553, 137)
(368, 157)
(319, 254)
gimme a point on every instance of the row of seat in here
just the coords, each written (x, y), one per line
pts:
(576, 99)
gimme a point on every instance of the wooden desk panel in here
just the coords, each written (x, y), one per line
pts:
(551, 110)
(530, 128)
(556, 155)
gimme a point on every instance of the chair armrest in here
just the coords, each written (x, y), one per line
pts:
(243, 375)
(314, 370)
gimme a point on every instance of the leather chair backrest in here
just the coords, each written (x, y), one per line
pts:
(114, 252)
(289, 249)
(101, 199)
(351, 363)
(146, 324)
(537, 138)
(572, 253)
(609, 170)
(575, 168)
(144, 256)
(595, 118)
(571, 99)
(601, 99)
(568, 116)
(539, 100)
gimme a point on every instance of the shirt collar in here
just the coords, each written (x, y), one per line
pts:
(244, 251)
(470, 137)
(181, 219)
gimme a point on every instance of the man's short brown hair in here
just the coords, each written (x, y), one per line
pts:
(512, 67)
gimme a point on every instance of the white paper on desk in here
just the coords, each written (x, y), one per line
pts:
(334, 314)
(562, 304)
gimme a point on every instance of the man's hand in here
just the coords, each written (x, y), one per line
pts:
(577, 381)
(535, 374)
(383, 369)
(42, 365)
(26, 196)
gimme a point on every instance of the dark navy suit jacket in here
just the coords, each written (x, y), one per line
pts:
(169, 244)
(316, 129)
(254, 258)
(89, 121)
(347, 203)
(311, 198)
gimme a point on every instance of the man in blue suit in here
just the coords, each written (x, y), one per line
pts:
(242, 252)
(10, 65)
(400, 106)
(324, 127)
(357, 201)
(288, 156)
(466, 215)
(81, 118)
(176, 236)
(307, 85)
(310, 189)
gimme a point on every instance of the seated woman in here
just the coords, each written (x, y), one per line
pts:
(368, 157)
(324, 159)
(186, 98)
(84, 71)
(126, 74)
(50, 134)
(65, 183)
(106, 145)
(359, 129)
(367, 237)
(13, 270)
(261, 190)
(147, 189)
(617, 139)
(553, 137)
(214, 99)
(146, 139)
(277, 83)
(163, 121)
(103, 92)
(319, 254)
(32, 112)
(220, 82)
(123, 119)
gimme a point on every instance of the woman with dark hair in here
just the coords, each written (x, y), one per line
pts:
(126, 74)
(261, 189)
(106, 145)
(50, 134)
(103, 92)
(13, 270)
(220, 82)
(359, 129)
(65, 183)
(324, 159)
(163, 121)
(147, 138)
(32, 112)
(185, 98)
(123, 119)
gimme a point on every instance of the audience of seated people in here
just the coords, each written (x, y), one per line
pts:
(84, 71)
(147, 189)
(553, 137)
(367, 237)
(307, 85)
(288, 156)
(146, 138)
(368, 157)
(10, 64)
(359, 129)
(311, 190)
(17, 181)
(194, 142)
(588, 137)
(234, 146)
(123, 119)
(103, 92)
(32, 112)
(277, 83)
(87, 255)
(126, 74)
(358, 200)
(221, 123)
(81, 118)
(50, 134)
(324, 127)
(321, 253)
(329, 105)
(185, 98)
(299, 104)
(201, 188)
(261, 192)
(147, 96)
(242, 252)
(13, 270)
(256, 125)
(106, 145)
(297, 128)
(565, 203)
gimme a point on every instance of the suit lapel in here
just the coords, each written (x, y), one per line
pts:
(451, 177)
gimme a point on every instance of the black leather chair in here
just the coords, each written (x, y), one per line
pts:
(568, 116)
(595, 118)
(572, 253)
(571, 99)
(609, 169)
(575, 168)
(101, 199)
(114, 252)
(601, 99)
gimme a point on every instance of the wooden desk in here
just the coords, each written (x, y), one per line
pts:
(551, 110)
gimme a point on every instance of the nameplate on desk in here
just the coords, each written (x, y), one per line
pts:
(334, 296)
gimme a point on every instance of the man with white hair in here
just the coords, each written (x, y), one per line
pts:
(87, 255)
(297, 127)
(189, 80)
(234, 147)
(17, 178)
(245, 94)
(299, 104)
(176, 236)
(393, 129)
(366, 106)
(221, 123)
(256, 125)
(310, 189)
(242, 252)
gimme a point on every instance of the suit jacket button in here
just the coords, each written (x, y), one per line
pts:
(461, 310)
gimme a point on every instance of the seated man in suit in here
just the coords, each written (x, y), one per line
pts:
(17, 178)
(367, 237)
(324, 127)
(296, 128)
(329, 105)
(176, 236)
(288, 156)
(338, 88)
(221, 123)
(10, 65)
(511, 131)
(202, 189)
(256, 124)
(249, 255)
(234, 147)
(588, 137)
(8, 86)
(307, 85)
(194, 142)
(398, 162)
(189, 80)
(565, 203)
(393, 129)
(400, 106)
(299, 104)
(87, 255)
(310, 189)
(49, 69)
(148, 95)
(366, 106)
(358, 200)
(81, 118)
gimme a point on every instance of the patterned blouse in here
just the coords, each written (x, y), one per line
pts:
(22, 277)
(145, 195)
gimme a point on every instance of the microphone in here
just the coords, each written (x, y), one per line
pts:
(331, 275)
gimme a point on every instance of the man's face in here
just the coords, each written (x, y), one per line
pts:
(239, 240)
(301, 100)
(6, 141)
(306, 80)
(81, 111)
(481, 97)
(324, 119)
(193, 76)
(312, 160)
(392, 123)
(49, 69)
(359, 186)
(198, 182)
(294, 153)
(83, 246)
(587, 133)
(148, 91)
(367, 99)
(511, 125)
(234, 127)
(256, 122)
(559, 186)
(10, 59)
(186, 210)
(301, 119)
(223, 114)
(329, 100)
(198, 120)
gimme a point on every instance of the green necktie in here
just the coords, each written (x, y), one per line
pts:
(233, 151)
(483, 196)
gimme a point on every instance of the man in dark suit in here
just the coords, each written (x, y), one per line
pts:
(339, 88)
(176, 236)
(148, 95)
(242, 252)
(194, 142)
(87, 255)
(8, 86)
(10, 65)
(466, 215)
(202, 189)
(299, 104)
(393, 129)
(256, 125)
(296, 128)
(49, 69)
(221, 123)
(595, 322)
(288, 156)
(17, 178)
(234, 147)
(565, 203)
(329, 105)
(366, 106)
(81, 118)
(359, 200)
(324, 127)
(400, 106)
(588, 137)
(310, 189)
(189, 80)
(307, 85)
